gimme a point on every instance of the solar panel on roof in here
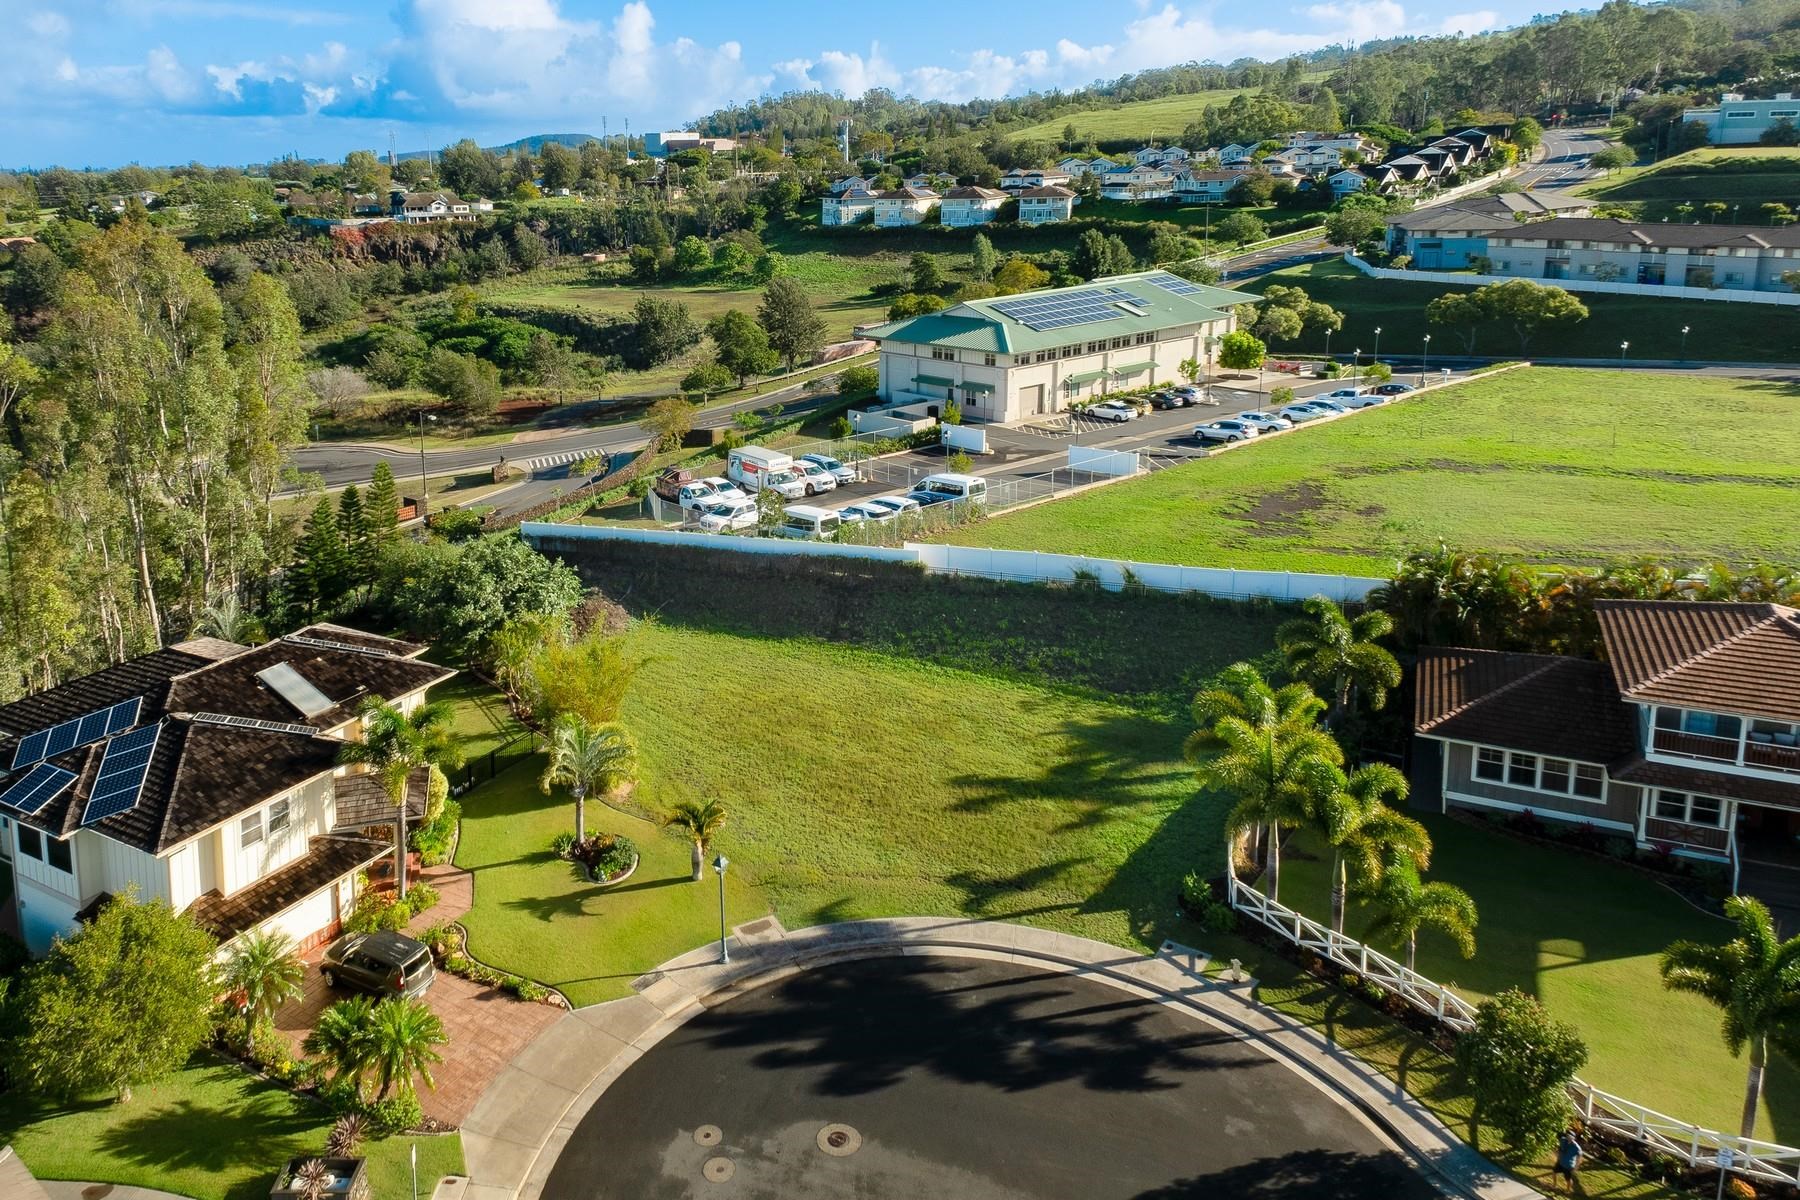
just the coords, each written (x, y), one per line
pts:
(44, 783)
(1087, 307)
(295, 688)
(122, 770)
(1174, 283)
(31, 749)
(76, 731)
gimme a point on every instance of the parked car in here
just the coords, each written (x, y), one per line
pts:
(1112, 410)
(899, 506)
(867, 510)
(1367, 400)
(1342, 395)
(383, 963)
(1328, 404)
(818, 479)
(1265, 422)
(724, 489)
(1197, 395)
(1169, 399)
(789, 484)
(948, 487)
(843, 474)
(1394, 389)
(1299, 414)
(808, 523)
(723, 515)
(1228, 429)
(695, 495)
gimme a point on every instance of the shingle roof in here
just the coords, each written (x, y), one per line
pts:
(974, 193)
(1661, 233)
(1635, 769)
(1047, 191)
(1538, 703)
(326, 861)
(345, 676)
(146, 676)
(1738, 658)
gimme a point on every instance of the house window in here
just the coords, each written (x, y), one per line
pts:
(1096, 347)
(1690, 809)
(250, 831)
(1706, 724)
(1590, 782)
(1071, 351)
(1521, 770)
(943, 355)
(278, 817)
(30, 843)
(1554, 776)
(1490, 764)
(1043, 356)
(58, 855)
(1119, 343)
(1144, 339)
(987, 360)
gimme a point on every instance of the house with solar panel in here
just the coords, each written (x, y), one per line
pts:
(205, 774)
(1015, 357)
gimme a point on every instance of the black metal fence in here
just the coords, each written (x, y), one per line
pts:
(482, 768)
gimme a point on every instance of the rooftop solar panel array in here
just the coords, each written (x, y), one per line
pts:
(1089, 306)
(121, 778)
(76, 731)
(44, 783)
(1174, 283)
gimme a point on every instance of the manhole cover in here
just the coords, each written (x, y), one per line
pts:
(718, 1169)
(839, 1140)
(708, 1135)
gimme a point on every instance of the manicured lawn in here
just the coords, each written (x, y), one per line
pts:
(1551, 464)
(483, 722)
(1198, 218)
(1164, 117)
(1744, 175)
(210, 1131)
(1720, 330)
(1583, 936)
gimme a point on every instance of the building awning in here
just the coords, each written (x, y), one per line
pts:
(1084, 378)
(982, 388)
(327, 860)
(1131, 369)
(934, 380)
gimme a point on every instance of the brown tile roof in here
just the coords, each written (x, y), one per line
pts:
(1539, 703)
(972, 192)
(362, 803)
(345, 676)
(328, 860)
(1635, 769)
(147, 676)
(1738, 658)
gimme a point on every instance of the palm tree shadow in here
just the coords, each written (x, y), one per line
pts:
(1100, 767)
(165, 1136)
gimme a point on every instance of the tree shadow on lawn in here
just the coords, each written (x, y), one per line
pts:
(871, 1023)
(582, 899)
(1147, 885)
(1104, 763)
(185, 1136)
(982, 891)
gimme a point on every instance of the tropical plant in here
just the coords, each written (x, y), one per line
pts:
(1754, 981)
(1267, 751)
(1356, 817)
(586, 758)
(1403, 904)
(347, 1133)
(313, 1179)
(394, 745)
(403, 1039)
(225, 618)
(699, 823)
(340, 1039)
(1338, 655)
(1519, 1061)
(262, 974)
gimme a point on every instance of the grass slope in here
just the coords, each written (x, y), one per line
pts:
(1720, 330)
(1588, 950)
(1552, 464)
(1163, 118)
(210, 1131)
(1743, 175)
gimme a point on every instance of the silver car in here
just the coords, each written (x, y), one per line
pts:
(1299, 414)
(1266, 422)
(1230, 429)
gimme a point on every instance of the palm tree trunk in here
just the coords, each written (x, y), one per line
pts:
(697, 859)
(1412, 950)
(1759, 1057)
(1272, 868)
(580, 818)
(1338, 887)
(400, 848)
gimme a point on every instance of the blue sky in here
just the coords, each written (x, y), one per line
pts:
(102, 82)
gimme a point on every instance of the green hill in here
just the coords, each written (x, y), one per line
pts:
(1742, 175)
(1139, 120)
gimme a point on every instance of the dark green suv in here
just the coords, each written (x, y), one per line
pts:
(382, 964)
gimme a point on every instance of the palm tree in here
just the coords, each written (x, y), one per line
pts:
(700, 823)
(1241, 691)
(341, 1039)
(1405, 904)
(1358, 821)
(394, 745)
(265, 970)
(403, 1042)
(587, 758)
(226, 619)
(1277, 772)
(1338, 656)
(1754, 980)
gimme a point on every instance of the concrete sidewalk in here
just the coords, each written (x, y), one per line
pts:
(513, 1137)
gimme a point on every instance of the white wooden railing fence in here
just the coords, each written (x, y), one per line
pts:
(1695, 1145)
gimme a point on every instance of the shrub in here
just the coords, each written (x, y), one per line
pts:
(607, 854)
(347, 1133)
(731, 439)
(270, 1051)
(340, 1099)
(396, 1114)
(960, 463)
(456, 524)
(1518, 1060)
(433, 838)
(1210, 913)
(1739, 1188)
(562, 843)
(841, 428)
(528, 990)
(1281, 397)
(419, 897)
(439, 936)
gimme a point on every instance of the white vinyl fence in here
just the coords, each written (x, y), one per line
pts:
(1695, 1145)
(1103, 462)
(1017, 566)
(1665, 290)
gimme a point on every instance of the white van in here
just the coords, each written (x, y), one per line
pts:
(747, 466)
(809, 523)
(947, 488)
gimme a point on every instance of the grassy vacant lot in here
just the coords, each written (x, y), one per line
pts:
(1720, 329)
(210, 1131)
(1163, 118)
(1589, 952)
(1551, 464)
(1198, 218)
(1742, 175)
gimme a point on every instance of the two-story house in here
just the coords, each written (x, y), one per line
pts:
(851, 183)
(424, 208)
(1137, 184)
(206, 775)
(848, 208)
(1046, 205)
(1687, 738)
(904, 206)
(1205, 187)
(1018, 179)
(965, 206)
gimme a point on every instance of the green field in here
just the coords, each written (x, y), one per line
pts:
(210, 1131)
(1163, 118)
(1550, 464)
(1720, 330)
(1742, 175)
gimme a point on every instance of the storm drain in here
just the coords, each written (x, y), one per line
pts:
(718, 1170)
(708, 1135)
(839, 1141)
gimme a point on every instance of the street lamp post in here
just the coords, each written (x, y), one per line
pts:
(1328, 343)
(1684, 333)
(424, 484)
(1356, 366)
(719, 864)
(1424, 360)
(1378, 343)
(1623, 347)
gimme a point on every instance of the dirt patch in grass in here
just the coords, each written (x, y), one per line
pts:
(1278, 513)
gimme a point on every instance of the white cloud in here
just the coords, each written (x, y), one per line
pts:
(48, 24)
(151, 11)
(1479, 21)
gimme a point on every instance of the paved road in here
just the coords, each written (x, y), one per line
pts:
(965, 1079)
(1564, 162)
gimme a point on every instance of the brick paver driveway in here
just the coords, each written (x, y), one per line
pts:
(486, 1026)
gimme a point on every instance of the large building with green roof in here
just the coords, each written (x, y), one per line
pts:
(1016, 357)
